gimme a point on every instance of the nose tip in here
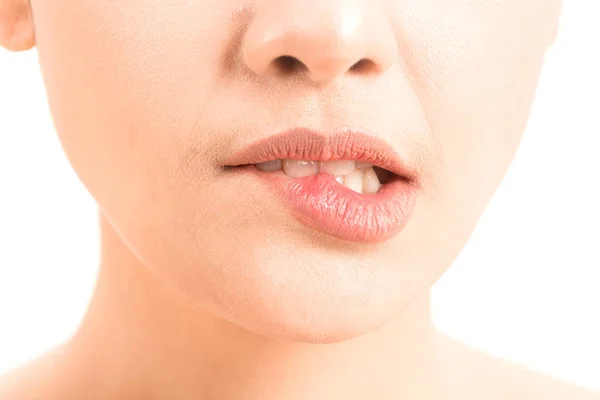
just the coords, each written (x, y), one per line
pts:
(324, 43)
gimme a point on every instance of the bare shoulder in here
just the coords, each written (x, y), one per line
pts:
(36, 379)
(484, 376)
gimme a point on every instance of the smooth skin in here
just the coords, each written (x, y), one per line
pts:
(208, 287)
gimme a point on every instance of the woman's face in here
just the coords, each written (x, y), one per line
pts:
(150, 97)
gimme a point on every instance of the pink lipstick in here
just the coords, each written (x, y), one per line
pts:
(322, 203)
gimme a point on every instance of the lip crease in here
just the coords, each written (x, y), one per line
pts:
(319, 202)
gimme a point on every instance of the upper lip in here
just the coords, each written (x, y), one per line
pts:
(306, 144)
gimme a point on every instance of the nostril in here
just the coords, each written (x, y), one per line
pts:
(289, 64)
(364, 65)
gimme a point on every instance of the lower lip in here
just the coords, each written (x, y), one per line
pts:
(321, 203)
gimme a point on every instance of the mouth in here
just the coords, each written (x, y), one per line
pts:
(358, 176)
(350, 185)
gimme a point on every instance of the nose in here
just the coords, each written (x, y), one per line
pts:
(324, 39)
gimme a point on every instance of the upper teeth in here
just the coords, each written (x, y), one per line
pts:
(356, 175)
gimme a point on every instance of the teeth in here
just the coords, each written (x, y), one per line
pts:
(300, 168)
(269, 166)
(354, 180)
(371, 182)
(358, 176)
(363, 164)
(338, 167)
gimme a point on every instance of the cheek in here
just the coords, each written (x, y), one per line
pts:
(124, 89)
(475, 65)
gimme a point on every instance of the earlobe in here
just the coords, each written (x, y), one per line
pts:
(16, 25)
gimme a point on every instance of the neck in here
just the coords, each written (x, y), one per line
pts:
(147, 338)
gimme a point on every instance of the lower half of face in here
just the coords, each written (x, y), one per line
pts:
(149, 99)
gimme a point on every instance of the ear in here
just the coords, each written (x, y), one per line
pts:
(16, 25)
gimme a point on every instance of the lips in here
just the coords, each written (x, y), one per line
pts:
(320, 202)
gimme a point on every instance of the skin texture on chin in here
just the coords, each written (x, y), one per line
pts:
(148, 97)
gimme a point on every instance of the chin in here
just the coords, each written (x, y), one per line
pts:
(323, 329)
(265, 285)
(331, 316)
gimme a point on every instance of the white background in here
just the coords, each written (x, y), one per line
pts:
(526, 287)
